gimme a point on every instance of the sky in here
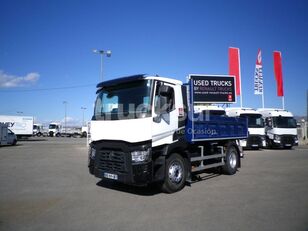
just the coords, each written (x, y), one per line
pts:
(46, 49)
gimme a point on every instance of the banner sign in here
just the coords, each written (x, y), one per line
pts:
(258, 81)
(235, 67)
(278, 72)
(212, 88)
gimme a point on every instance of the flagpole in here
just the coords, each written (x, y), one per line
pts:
(283, 102)
(263, 97)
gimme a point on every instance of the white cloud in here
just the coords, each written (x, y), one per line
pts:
(8, 81)
(70, 121)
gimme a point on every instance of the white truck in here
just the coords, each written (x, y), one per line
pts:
(21, 126)
(7, 137)
(54, 129)
(152, 133)
(256, 129)
(38, 130)
(280, 128)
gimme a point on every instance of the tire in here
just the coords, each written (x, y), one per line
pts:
(14, 143)
(38, 134)
(231, 161)
(58, 135)
(84, 134)
(175, 174)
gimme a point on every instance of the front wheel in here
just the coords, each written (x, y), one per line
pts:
(175, 174)
(231, 161)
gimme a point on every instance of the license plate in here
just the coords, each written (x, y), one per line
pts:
(288, 145)
(111, 176)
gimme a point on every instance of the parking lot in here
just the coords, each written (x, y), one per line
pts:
(45, 185)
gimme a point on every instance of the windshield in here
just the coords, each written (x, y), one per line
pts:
(35, 127)
(254, 120)
(53, 126)
(284, 122)
(126, 101)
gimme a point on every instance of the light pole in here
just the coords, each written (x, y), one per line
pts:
(102, 53)
(65, 105)
(83, 109)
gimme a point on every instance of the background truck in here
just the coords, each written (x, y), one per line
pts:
(280, 128)
(71, 132)
(256, 128)
(38, 130)
(7, 137)
(54, 129)
(84, 131)
(145, 130)
(21, 126)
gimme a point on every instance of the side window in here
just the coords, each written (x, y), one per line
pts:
(164, 98)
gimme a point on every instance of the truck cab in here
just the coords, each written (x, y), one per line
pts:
(280, 128)
(37, 130)
(54, 129)
(256, 137)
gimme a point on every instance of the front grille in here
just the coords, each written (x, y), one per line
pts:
(255, 140)
(287, 139)
(113, 161)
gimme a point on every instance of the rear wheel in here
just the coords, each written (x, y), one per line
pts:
(231, 161)
(175, 174)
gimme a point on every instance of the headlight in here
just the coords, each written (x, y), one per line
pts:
(277, 137)
(295, 138)
(140, 156)
(92, 153)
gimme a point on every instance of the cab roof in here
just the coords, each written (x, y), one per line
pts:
(137, 77)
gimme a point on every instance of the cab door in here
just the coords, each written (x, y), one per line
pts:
(165, 113)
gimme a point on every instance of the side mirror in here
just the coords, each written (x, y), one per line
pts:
(268, 122)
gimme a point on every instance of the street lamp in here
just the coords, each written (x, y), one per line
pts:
(102, 53)
(83, 109)
(65, 105)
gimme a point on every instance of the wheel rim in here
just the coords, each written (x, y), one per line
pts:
(175, 172)
(232, 159)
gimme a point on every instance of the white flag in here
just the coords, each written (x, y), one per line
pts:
(258, 81)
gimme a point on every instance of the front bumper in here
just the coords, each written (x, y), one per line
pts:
(285, 141)
(253, 141)
(113, 161)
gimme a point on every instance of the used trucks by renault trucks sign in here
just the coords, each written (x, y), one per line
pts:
(212, 88)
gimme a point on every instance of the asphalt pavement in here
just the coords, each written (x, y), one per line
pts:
(45, 185)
